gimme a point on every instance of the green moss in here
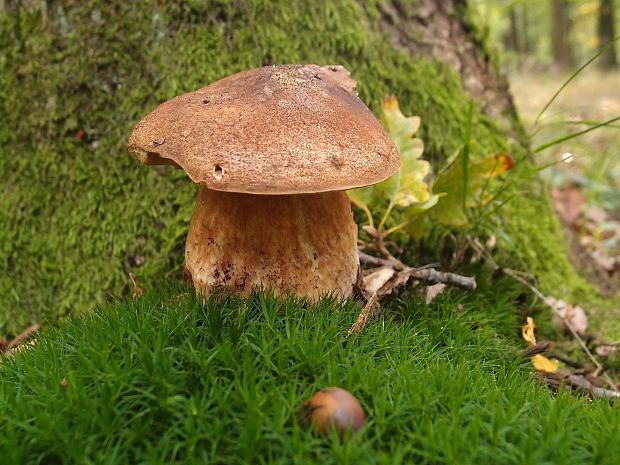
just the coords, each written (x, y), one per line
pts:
(171, 378)
(77, 214)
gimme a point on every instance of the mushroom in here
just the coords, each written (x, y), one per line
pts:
(273, 150)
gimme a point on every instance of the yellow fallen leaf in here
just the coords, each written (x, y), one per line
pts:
(542, 363)
(527, 331)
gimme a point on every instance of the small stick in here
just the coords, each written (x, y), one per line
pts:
(569, 325)
(432, 275)
(582, 384)
(540, 348)
(23, 337)
(363, 317)
(137, 290)
(377, 261)
(425, 272)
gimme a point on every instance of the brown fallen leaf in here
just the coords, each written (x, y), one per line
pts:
(375, 280)
(573, 314)
(432, 292)
(570, 203)
(606, 349)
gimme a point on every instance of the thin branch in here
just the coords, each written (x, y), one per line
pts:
(377, 261)
(516, 275)
(23, 337)
(434, 276)
(424, 273)
(359, 324)
(137, 290)
(581, 384)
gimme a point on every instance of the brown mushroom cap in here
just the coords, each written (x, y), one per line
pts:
(274, 130)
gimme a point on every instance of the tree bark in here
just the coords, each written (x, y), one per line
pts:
(437, 29)
(606, 34)
(561, 47)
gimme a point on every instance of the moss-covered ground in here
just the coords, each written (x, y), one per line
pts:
(77, 213)
(174, 379)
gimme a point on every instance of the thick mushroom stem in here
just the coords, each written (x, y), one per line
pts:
(304, 244)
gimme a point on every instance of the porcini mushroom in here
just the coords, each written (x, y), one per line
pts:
(273, 150)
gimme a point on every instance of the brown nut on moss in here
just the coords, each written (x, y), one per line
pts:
(334, 408)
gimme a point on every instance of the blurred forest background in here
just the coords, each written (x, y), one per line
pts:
(540, 45)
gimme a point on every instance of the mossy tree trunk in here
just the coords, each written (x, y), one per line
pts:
(78, 214)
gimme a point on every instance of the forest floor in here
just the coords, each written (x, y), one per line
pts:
(171, 378)
(584, 175)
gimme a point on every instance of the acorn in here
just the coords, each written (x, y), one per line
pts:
(334, 408)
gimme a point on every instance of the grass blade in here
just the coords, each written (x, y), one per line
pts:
(573, 76)
(559, 140)
(466, 147)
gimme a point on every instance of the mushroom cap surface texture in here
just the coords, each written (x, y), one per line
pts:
(286, 129)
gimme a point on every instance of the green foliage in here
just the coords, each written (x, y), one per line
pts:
(171, 378)
(459, 186)
(406, 189)
(464, 184)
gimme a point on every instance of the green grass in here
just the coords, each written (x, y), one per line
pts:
(174, 379)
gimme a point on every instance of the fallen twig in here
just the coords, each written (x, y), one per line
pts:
(377, 261)
(425, 273)
(137, 290)
(7, 349)
(434, 276)
(539, 348)
(23, 337)
(515, 275)
(392, 274)
(363, 316)
(580, 383)
(519, 276)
